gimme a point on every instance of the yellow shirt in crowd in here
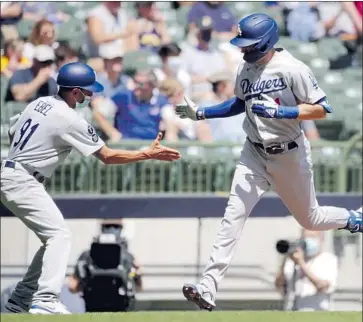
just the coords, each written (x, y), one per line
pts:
(4, 61)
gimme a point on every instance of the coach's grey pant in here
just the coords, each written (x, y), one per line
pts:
(28, 200)
(291, 176)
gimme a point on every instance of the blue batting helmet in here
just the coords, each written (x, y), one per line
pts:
(256, 29)
(78, 75)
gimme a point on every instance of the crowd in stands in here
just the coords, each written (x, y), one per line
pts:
(147, 67)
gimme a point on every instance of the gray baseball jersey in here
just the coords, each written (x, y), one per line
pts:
(45, 133)
(286, 80)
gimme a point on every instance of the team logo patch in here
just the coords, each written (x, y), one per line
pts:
(95, 137)
(239, 30)
(314, 82)
(90, 130)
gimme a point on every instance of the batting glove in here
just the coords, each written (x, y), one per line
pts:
(187, 110)
(266, 108)
(269, 109)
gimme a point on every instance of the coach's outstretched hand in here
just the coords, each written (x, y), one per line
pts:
(187, 110)
(160, 152)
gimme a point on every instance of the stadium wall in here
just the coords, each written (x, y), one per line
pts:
(173, 250)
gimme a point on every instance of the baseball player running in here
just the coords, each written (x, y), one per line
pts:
(41, 138)
(276, 91)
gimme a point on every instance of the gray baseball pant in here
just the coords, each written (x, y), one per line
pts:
(291, 176)
(28, 200)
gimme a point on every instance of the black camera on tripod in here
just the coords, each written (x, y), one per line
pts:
(107, 281)
(284, 246)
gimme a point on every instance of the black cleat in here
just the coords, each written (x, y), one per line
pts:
(195, 294)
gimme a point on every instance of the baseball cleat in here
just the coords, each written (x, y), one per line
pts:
(195, 294)
(12, 307)
(355, 224)
(48, 308)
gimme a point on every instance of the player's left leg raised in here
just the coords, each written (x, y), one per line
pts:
(293, 181)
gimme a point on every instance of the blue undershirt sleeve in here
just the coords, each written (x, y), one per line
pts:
(231, 107)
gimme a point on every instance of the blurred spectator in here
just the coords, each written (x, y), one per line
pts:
(225, 22)
(302, 20)
(196, 59)
(139, 111)
(177, 128)
(151, 29)
(352, 41)
(36, 11)
(29, 84)
(354, 10)
(172, 66)
(65, 54)
(307, 278)
(224, 129)
(107, 24)
(114, 81)
(13, 58)
(10, 14)
(43, 33)
(322, 19)
(334, 22)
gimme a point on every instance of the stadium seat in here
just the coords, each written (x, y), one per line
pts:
(13, 108)
(289, 44)
(182, 15)
(24, 28)
(353, 74)
(142, 59)
(330, 129)
(4, 86)
(330, 48)
(176, 33)
(71, 31)
(240, 9)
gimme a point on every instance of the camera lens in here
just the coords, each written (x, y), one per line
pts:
(282, 246)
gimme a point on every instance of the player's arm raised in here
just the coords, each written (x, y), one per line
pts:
(156, 152)
(231, 107)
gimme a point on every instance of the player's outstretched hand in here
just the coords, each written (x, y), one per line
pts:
(187, 110)
(160, 152)
(266, 107)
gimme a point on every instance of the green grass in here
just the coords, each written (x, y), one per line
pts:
(227, 316)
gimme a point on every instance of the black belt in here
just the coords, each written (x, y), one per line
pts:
(276, 148)
(36, 174)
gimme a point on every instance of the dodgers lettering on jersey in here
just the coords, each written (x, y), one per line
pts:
(46, 132)
(288, 82)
